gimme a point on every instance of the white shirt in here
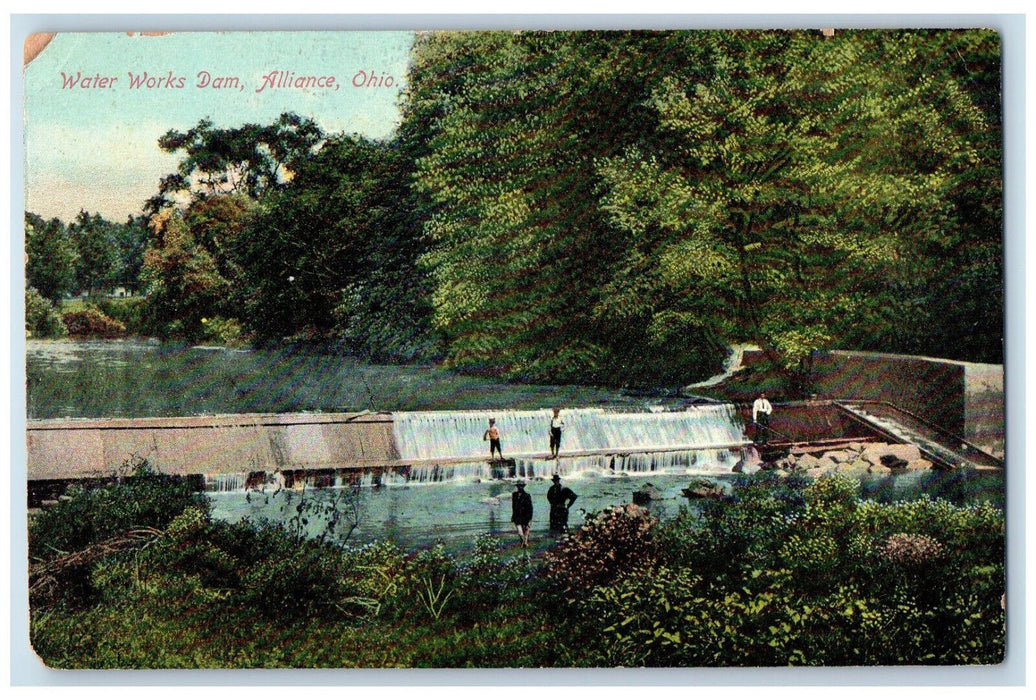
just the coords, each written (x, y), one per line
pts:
(761, 405)
(556, 422)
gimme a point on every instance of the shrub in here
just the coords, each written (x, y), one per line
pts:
(223, 331)
(488, 584)
(834, 489)
(609, 544)
(744, 526)
(129, 311)
(189, 548)
(301, 582)
(910, 550)
(371, 578)
(972, 535)
(808, 574)
(430, 577)
(91, 323)
(41, 318)
(144, 498)
(674, 617)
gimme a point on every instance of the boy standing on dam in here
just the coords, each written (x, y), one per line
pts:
(493, 435)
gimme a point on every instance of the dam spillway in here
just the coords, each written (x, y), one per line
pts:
(230, 451)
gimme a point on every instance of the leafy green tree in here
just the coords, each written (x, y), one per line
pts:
(518, 248)
(252, 159)
(333, 254)
(41, 318)
(98, 253)
(216, 223)
(131, 241)
(615, 206)
(50, 257)
(183, 284)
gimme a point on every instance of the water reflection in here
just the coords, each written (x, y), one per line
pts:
(129, 378)
(456, 513)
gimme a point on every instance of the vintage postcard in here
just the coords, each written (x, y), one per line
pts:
(515, 349)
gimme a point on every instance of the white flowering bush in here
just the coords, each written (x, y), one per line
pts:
(910, 550)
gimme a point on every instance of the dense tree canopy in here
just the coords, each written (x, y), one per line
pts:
(98, 252)
(89, 255)
(252, 159)
(182, 281)
(603, 204)
(333, 254)
(608, 207)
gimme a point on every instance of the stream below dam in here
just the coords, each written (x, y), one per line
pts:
(456, 512)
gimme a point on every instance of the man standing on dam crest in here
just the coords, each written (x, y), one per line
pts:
(556, 424)
(493, 435)
(761, 411)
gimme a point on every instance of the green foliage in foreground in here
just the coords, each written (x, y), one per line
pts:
(789, 572)
(141, 497)
(783, 572)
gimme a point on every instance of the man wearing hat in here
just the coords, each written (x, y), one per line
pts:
(561, 499)
(521, 512)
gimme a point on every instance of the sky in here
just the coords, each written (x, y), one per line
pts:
(93, 146)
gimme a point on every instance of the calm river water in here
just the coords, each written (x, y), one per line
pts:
(453, 512)
(133, 379)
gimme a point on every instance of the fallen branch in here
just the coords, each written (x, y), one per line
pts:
(44, 575)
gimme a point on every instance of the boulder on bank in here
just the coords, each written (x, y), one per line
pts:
(880, 470)
(700, 488)
(805, 462)
(856, 459)
(649, 492)
(893, 462)
(876, 451)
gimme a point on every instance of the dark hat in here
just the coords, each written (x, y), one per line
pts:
(520, 484)
(556, 477)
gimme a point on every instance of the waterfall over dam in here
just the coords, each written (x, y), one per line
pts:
(232, 451)
(700, 438)
(458, 434)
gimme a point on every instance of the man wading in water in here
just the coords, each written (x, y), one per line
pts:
(493, 435)
(561, 499)
(521, 512)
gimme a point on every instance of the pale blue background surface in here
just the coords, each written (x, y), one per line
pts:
(25, 668)
(97, 148)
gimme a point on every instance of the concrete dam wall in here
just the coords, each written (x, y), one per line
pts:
(210, 445)
(420, 446)
(964, 398)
